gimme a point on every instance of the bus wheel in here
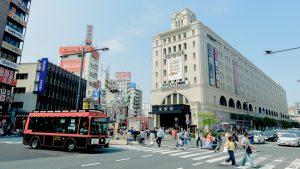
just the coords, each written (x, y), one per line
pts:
(71, 146)
(106, 146)
(35, 143)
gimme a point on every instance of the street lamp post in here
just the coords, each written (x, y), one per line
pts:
(270, 52)
(83, 52)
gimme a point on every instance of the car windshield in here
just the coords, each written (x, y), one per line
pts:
(99, 126)
(268, 133)
(297, 134)
(255, 133)
(289, 135)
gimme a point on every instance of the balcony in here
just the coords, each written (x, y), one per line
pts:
(11, 48)
(19, 4)
(13, 32)
(17, 18)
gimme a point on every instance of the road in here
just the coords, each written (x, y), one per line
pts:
(18, 156)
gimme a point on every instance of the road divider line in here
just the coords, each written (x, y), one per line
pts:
(86, 165)
(146, 156)
(124, 159)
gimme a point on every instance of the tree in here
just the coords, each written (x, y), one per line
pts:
(208, 119)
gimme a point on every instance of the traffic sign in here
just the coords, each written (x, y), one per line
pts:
(187, 121)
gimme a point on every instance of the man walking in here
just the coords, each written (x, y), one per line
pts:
(198, 138)
(247, 149)
(219, 141)
(159, 136)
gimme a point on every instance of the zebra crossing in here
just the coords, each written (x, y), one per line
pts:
(200, 156)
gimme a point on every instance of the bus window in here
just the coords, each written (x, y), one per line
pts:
(84, 124)
(99, 126)
(72, 125)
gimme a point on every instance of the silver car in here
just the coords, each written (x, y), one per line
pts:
(289, 139)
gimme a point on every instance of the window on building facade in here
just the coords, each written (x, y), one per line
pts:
(156, 43)
(21, 76)
(195, 80)
(174, 38)
(194, 55)
(184, 35)
(156, 53)
(165, 73)
(179, 37)
(169, 50)
(195, 68)
(165, 61)
(165, 41)
(193, 32)
(156, 63)
(174, 48)
(179, 47)
(19, 90)
(165, 51)
(185, 47)
(185, 69)
(156, 74)
(194, 44)
(185, 57)
(169, 40)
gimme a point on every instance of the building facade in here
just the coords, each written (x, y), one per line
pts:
(135, 102)
(195, 71)
(146, 108)
(13, 22)
(71, 61)
(51, 89)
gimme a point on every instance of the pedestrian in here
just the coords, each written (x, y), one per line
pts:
(152, 138)
(209, 138)
(129, 137)
(251, 136)
(231, 147)
(219, 141)
(142, 136)
(159, 136)
(247, 149)
(198, 138)
(188, 139)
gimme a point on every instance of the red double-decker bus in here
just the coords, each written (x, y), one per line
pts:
(70, 130)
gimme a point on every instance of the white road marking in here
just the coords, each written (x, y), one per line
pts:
(179, 168)
(226, 156)
(146, 156)
(181, 153)
(124, 159)
(168, 152)
(294, 165)
(198, 163)
(239, 159)
(256, 161)
(273, 164)
(207, 156)
(85, 165)
(196, 154)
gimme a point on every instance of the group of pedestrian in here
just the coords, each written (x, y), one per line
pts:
(183, 139)
(246, 145)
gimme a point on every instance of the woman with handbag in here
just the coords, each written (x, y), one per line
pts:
(247, 149)
(231, 147)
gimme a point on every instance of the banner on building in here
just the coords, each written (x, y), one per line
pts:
(72, 65)
(43, 75)
(211, 68)
(7, 77)
(216, 58)
(123, 75)
(77, 50)
(174, 69)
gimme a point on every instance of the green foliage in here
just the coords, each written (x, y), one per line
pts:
(208, 119)
(192, 135)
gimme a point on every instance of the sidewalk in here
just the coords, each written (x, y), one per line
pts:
(11, 140)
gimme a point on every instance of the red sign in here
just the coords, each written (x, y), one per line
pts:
(72, 65)
(76, 50)
(6, 77)
(123, 75)
(89, 34)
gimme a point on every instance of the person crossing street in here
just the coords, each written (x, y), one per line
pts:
(219, 142)
(247, 150)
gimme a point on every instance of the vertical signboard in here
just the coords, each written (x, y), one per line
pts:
(174, 69)
(216, 57)
(89, 34)
(210, 65)
(43, 74)
(123, 75)
(235, 76)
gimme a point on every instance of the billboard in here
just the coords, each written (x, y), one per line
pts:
(7, 77)
(123, 75)
(89, 34)
(216, 57)
(174, 69)
(72, 65)
(43, 74)
(75, 50)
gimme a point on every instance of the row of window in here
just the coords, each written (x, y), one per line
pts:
(21, 76)
(19, 90)
(15, 27)
(11, 41)
(9, 57)
(18, 12)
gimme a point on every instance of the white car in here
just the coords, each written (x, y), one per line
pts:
(258, 137)
(289, 139)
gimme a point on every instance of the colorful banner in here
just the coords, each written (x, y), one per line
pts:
(76, 50)
(43, 75)
(211, 68)
(7, 77)
(216, 57)
(174, 69)
(72, 65)
(123, 75)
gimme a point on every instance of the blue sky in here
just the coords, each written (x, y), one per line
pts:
(127, 28)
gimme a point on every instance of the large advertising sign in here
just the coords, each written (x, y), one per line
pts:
(211, 68)
(7, 77)
(9, 64)
(216, 57)
(123, 75)
(174, 69)
(43, 74)
(89, 34)
(72, 65)
(75, 50)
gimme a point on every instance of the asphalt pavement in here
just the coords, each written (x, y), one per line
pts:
(18, 156)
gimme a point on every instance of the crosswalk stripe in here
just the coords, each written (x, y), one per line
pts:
(207, 156)
(196, 154)
(198, 163)
(181, 153)
(146, 150)
(294, 165)
(256, 161)
(168, 152)
(273, 164)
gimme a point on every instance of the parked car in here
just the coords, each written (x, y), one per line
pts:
(258, 136)
(270, 135)
(280, 132)
(297, 134)
(288, 139)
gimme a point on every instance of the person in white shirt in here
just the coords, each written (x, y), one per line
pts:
(129, 138)
(160, 133)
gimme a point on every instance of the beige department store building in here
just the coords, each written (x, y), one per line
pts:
(195, 70)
